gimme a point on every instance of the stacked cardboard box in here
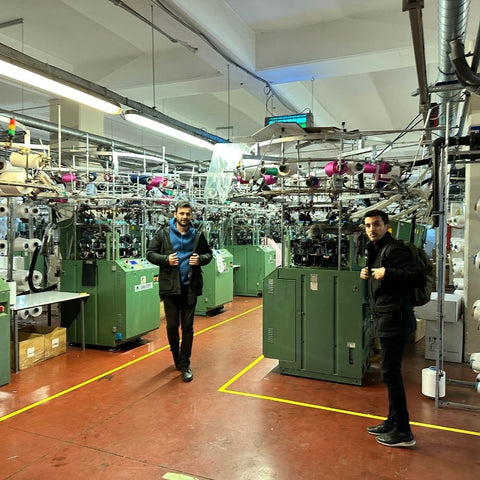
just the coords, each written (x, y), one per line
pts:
(452, 334)
(55, 339)
(419, 332)
(452, 308)
(37, 343)
(31, 349)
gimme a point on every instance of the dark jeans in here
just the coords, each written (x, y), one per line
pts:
(392, 354)
(179, 311)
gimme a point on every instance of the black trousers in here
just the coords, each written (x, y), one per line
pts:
(179, 312)
(392, 354)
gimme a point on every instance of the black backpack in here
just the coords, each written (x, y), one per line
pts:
(420, 295)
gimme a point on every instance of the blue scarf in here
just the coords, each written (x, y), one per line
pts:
(183, 245)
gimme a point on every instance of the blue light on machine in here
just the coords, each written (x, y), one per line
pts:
(302, 119)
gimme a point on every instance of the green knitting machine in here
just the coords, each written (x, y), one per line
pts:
(252, 264)
(103, 255)
(217, 283)
(408, 232)
(123, 303)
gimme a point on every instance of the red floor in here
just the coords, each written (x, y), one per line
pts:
(128, 415)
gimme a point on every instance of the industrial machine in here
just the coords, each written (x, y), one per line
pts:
(217, 283)
(102, 255)
(4, 333)
(409, 232)
(252, 264)
(123, 303)
(316, 324)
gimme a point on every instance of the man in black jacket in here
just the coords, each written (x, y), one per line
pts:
(180, 250)
(391, 273)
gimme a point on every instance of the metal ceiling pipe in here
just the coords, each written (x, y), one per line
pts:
(230, 60)
(414, 8)
(452, 19)
(96, 139)
(474, 68)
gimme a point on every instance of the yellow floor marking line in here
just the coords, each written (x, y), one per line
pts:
(228, 320)
(80, 385)
(113, 370)
(224, 389)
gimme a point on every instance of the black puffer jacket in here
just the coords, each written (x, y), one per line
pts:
(390, 298)
(158, 250)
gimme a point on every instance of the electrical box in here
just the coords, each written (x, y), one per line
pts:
(316, 323)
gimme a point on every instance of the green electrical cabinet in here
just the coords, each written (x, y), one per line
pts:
(123, 303)
(252, 264)
(4, 333)
(315, 323)
(217, 283)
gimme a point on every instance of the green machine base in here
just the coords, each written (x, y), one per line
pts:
(217, 283)
(315, 324)
(124, 303)
(4, 333)
(253, 263)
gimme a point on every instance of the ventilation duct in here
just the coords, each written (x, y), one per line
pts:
(50, 127)
(452, 17)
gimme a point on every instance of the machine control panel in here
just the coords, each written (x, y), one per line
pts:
(135, 264)
(223, 260)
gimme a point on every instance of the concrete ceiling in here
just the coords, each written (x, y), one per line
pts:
(224, 65)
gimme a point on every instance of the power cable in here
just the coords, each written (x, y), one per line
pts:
(206, 39)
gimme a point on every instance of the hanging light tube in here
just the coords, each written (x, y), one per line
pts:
(26, 76)
(155, 125)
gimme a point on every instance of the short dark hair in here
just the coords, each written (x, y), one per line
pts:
(182, 204)
(377, 213)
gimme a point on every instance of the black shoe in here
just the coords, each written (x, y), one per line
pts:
(397, 439)
(384, 427)
(187, 375)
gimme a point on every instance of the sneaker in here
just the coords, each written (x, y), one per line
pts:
(384, 427)
(397, 439)
(187, 375)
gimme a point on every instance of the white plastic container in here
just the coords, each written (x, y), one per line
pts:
(429, 378)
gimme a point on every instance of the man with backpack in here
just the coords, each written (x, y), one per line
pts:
(392, 275)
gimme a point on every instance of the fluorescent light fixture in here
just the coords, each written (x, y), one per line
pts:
(155, 125)
(26, 76)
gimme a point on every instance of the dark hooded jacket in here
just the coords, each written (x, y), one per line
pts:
(390, 299)
(169, 283)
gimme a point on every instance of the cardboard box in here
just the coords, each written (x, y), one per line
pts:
(55, 339)
(31, 349)
(419, 333)
(452, 307)
(452, 341)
